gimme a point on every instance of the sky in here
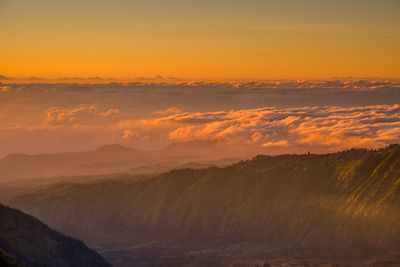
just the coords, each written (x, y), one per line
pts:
(289, 75)
(207, 39)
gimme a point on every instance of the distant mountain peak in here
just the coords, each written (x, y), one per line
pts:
(14, 156)
(113, 148)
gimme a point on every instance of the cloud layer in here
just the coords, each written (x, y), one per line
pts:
(320, 128)
(284, 116)
(328, 126)
(80, 115)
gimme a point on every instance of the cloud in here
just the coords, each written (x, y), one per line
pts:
(281, 130)
(80, 115)
(328, 126)
(327, 114)
(129, 134)
(168, 111)
(281, 143)
(4, 88)
(111, 112)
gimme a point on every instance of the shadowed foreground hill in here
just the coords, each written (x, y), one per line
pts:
(31, 243)
(341, 207)
(7, 261)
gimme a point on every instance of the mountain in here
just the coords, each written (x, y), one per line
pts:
(32, 243)
(6, 260)
(102, 160)
(114, 148)
(109, 159)
(306, 209)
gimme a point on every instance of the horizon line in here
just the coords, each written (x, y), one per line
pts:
(172, 79)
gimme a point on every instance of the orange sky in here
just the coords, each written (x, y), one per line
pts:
(200, 39)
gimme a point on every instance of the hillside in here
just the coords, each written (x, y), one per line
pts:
(341, 207)
(32, 243)
(6, 260)
(114, 158)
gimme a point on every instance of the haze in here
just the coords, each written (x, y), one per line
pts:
(199, 133)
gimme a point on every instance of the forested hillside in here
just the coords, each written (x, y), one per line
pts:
(342, 207)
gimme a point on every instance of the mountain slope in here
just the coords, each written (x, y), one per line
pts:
(109, 159)
(32, 243)
(7, 261)
(343, 206)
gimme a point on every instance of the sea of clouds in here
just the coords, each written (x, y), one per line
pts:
(328, 115)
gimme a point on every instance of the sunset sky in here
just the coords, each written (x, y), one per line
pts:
(209, 39)
(282, 76)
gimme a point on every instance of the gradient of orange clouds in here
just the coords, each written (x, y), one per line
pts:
(331, 128)
(287, 116)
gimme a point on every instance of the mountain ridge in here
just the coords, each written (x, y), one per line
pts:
(342, 206)
(7, 261)
(106, 159)
(114, 148)
(32, 243)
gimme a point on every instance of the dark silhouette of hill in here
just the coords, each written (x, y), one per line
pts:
(32, 243)
(7, 261)
(341, 207)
